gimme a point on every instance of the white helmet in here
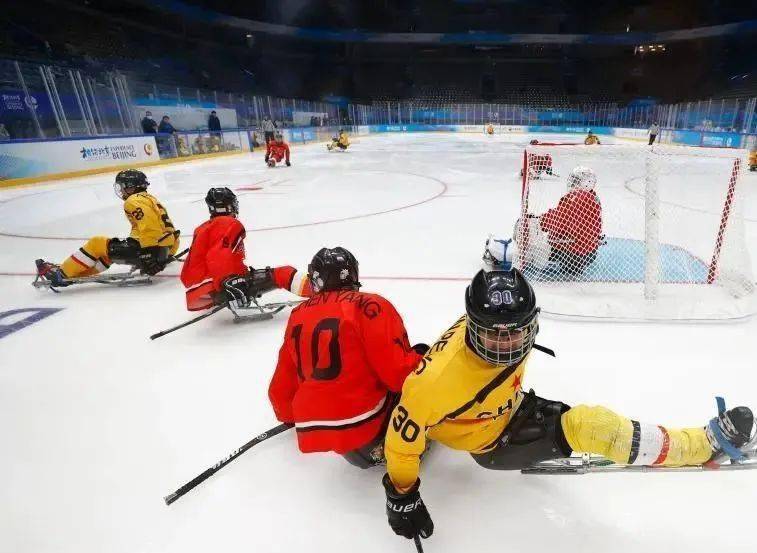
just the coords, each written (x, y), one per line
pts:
(582, 178)
(498, 254)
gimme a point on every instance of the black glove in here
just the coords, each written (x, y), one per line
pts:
(421, 348)
(407, 513)
(260, 281)
(152, 260)
(288, 164)
(236, 292)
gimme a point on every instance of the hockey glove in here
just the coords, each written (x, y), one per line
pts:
(407, 513)
(236, 290)
(260, 281)
(288, 164)
(152, 260)
(421, 349)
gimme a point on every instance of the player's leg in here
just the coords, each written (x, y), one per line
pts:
(596, 429)
(372, 453)
(533, 434)
(92, 258)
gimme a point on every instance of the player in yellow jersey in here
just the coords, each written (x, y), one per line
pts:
(466, 394)
(342, 141)
(152, 240)
(752, 162)
(591, 139)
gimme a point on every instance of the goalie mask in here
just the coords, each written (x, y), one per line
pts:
(130, 182)
(222, 201)
(502, 317)
(582, 178)
(333, 269)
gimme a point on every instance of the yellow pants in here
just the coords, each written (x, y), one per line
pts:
(90, 259)
(595, 429)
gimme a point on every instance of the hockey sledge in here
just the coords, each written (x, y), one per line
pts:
(257, 312)
(587, 464)
(132, 278)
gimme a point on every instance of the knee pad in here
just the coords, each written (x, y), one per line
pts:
(536, 437)
(124, 252)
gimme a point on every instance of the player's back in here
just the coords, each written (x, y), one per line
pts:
(149, 221)
(344, 351)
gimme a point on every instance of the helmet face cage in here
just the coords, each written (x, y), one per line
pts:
(278, 136)
(129, 182)
(505, 346)
(582, 178)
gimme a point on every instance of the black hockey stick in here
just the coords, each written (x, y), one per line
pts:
(418, 544)
(179, 255)
(216, 309)
(197, 480)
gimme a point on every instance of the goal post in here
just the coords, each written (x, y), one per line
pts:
(659, 235)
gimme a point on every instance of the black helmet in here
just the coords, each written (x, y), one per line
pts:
(222, 201)
(502, 316)
(129, 182)
(333, 269)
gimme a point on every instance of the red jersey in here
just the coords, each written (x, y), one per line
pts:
(343, 353)
(540, 163)
(217, 253)
(575, 225)
(277, 150)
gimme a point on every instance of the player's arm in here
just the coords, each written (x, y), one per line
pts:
(289, 278)
(225, 258)
(193, 269)
(284, 383)
(387, 348)
(406, 436)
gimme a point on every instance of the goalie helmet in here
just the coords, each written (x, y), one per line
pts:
(333, 269)
(130, 182)
(222, 201)
(502, 317)
(277, 136)
(582, 178)
(498, 254)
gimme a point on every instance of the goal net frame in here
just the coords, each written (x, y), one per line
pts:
(729, 227)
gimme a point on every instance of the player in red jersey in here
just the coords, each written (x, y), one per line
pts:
(276, 150)
(344, 359)
(574, 227)
(215, 272)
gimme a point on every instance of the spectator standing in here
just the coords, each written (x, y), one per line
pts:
(654, 130)
(149, 125)
(4, 134)
(268, 128)
(166, 126)
(214, 124)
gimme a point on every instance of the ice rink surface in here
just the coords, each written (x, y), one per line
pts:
(98, 423)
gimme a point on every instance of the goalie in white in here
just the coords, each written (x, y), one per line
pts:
(566, 236)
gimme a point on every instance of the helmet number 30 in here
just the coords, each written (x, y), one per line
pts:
(501, 297)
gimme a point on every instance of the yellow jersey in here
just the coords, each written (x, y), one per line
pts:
(150, 224)
(591, 140)
(453, 397)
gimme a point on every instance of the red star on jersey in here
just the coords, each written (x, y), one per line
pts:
(516, 382)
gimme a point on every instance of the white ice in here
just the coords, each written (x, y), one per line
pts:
(97, 423)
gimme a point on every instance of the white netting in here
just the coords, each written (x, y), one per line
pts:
(625, 232)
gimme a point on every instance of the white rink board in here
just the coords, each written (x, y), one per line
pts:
(99, 423)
